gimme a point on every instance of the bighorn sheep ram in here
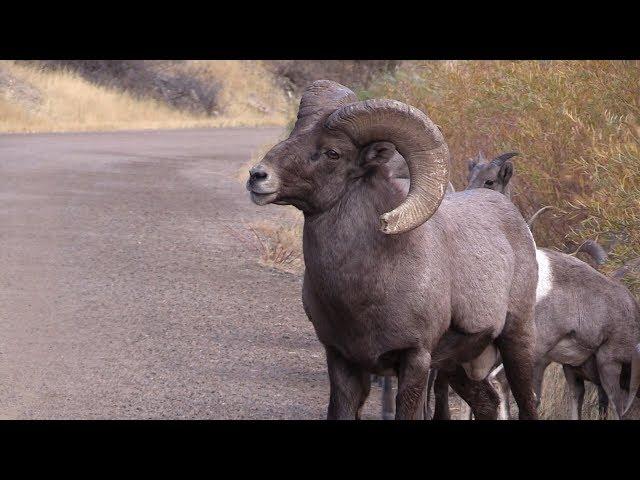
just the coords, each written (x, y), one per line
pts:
(397, 282)
(585, 321)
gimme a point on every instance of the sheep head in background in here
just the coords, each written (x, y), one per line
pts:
(494, 175)
(391, 284)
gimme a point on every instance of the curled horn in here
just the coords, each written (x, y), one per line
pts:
(594, 250)
(500, 159)
(535, 216)
(417, 139)
(319, 99)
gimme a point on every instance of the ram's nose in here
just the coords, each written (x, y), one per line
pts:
(258, 174)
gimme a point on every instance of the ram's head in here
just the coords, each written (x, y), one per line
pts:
(337, 140)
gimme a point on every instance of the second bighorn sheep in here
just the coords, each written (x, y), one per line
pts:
(585, 321)
(494, 175)
(396, 282)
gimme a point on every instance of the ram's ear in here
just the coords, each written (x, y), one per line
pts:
(377, 153)
(471, 163)
(505, 173)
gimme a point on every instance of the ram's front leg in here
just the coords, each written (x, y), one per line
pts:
(412, 380)
(349, 385)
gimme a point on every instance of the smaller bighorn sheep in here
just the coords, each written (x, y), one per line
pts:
(575, 376)
(393, 281)
(585, 321)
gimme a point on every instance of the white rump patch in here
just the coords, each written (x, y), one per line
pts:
(545, 278)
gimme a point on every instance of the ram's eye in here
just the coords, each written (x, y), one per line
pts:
(488, 183)
(332, 154)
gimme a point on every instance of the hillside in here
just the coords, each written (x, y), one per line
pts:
(37, 97)
(88, 95)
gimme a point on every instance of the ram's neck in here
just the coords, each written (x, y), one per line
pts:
(350, 230)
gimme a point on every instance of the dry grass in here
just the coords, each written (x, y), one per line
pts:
(67, 102)
(295, 75)
(249, 91)
(280, 244)
(277, 243)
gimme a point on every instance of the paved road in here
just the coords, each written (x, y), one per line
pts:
(124, 292)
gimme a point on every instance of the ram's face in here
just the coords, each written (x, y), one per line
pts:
(312, 170)
(308, 170)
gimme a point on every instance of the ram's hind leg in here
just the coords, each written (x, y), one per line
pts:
(576, 387)
(441, 396)
(609, 371)
(428, 409)
(516, 344)
(603, 403)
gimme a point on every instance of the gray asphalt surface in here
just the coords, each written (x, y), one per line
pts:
(124, 292)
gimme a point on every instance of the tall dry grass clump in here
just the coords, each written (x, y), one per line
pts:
(576, 125)
(278, 242)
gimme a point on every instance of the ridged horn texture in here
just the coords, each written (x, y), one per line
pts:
(320, 98)
(417, 139)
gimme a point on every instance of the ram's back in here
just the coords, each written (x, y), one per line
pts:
(491, 257)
